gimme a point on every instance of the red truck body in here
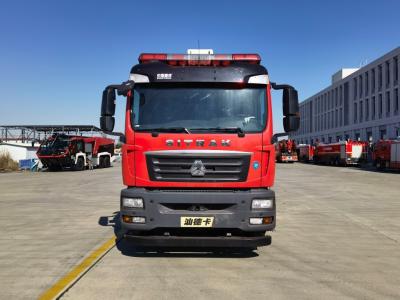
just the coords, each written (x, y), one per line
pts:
(305, 152)
(76, 152)
(286, 151)
(341, 153)
(198, 157)
(386, 154)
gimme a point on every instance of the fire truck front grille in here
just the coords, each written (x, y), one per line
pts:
(200, 167)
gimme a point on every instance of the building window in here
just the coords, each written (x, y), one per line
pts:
(366, 83)
(336, 118)
(366, 109)
(341, 117)
(357, 136)
(361, 111)
(379, 77)
(395, 70)
(373, 80)
(382, 134)
(387, 74)
(355, 88)
(373, 110)
(396, 101)
(361, 86)
(387, 104)
(355, 113)
(380, 106)
(340, 95)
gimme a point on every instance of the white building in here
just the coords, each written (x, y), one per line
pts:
(359, 104)
(19, 150)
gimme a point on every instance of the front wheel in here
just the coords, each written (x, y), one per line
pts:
(107, 162)
(80, 164)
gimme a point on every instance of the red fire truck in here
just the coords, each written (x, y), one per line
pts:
(341, 153)
(75, 152)
(305, 152)
(285, 151)
(386, 154)
(198, 158)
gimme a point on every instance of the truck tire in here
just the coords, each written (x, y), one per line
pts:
(80, 164)
(101, 162)
(107, 162)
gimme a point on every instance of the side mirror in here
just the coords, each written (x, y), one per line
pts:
(291, 123)
(108, 102)
(108, 109)
(290, 99)
(107, 123)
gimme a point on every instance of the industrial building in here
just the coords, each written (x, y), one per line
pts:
(360, 104)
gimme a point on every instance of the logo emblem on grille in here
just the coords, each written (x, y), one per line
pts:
(198, 169)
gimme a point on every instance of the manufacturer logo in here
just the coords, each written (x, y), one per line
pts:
(198, 143)
(198, 169)
(164, 76)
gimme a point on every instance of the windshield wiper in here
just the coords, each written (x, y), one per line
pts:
(165, 129)
(237, 130)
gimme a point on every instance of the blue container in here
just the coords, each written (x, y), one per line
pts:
(26, 164)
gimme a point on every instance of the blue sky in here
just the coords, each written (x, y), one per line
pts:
(57, 56)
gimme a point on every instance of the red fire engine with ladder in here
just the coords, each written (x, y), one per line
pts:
(285, 151)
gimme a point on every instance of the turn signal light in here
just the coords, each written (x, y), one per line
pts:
(268, 220)
(127, 219)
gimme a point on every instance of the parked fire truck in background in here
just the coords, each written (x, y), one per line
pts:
(305, 152)
(198, 147)
(285, 151)
(386, 154)
(76, 152)
(341, 153)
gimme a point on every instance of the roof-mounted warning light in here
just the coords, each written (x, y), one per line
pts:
(199, 59)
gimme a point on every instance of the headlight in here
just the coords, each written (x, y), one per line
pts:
(132, 202)
(262, 203)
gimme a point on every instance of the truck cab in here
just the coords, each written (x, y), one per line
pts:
(198, 159)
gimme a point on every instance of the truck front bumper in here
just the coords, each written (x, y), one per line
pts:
(230, 209)
(199, 242)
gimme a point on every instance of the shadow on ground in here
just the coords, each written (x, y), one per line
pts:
(127, 248)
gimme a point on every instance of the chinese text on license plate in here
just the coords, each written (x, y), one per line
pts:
(197, 221)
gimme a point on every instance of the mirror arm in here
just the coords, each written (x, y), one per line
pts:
(123, 88)
(280, 86)
(278, 135)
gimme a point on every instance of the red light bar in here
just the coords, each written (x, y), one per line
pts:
(152, 56)
(199, 59)
(247, 57)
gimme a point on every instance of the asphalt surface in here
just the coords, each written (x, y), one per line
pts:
(337, 236)
(49, 221)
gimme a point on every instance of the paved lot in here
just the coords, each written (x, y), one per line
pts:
(48, 223)
(338, 236)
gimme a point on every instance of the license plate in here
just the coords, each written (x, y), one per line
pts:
(197, 221)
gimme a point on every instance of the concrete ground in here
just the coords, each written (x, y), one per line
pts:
(48, 222)
(337, 236)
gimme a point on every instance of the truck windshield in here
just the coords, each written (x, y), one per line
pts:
(208, 109)
(57, 143)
